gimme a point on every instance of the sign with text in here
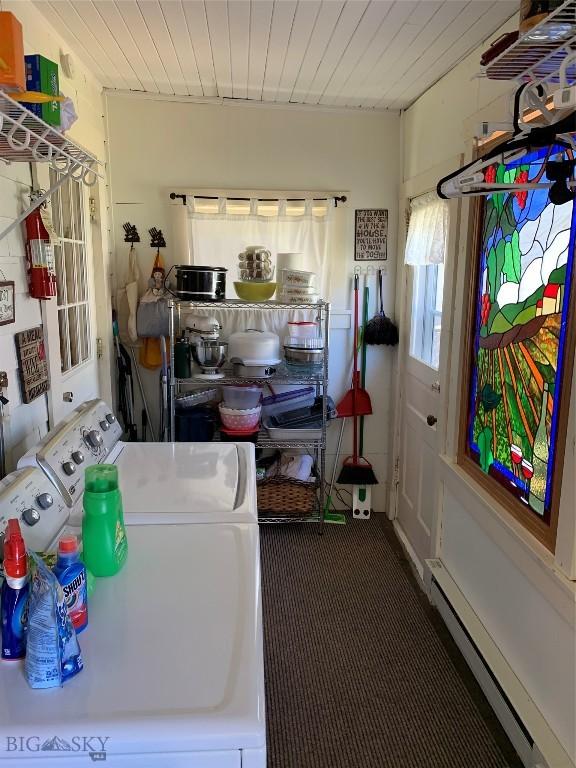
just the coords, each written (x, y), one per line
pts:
(371, 234)
(32, 363)
(7, 302)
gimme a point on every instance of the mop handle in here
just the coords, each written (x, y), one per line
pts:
(355, 384)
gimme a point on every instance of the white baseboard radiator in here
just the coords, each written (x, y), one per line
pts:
(530, 734)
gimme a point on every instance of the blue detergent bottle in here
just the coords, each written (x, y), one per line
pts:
(14, 594)
(71, 573)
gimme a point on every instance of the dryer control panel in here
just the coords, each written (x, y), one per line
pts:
(29, 496)
(85, 438)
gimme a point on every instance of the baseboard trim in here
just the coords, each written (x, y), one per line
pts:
(409, 549)
(529, 732)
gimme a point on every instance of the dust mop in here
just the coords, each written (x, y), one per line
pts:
(356, 471)
(380, 330)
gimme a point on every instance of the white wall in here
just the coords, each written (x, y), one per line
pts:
(512, 583)
(25, 424)
(156, 146)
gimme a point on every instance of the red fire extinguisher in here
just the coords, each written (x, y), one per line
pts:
(39, 258)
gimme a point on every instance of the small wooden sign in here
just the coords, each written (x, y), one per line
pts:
(32, 363)
(7, 302)
(371, 234)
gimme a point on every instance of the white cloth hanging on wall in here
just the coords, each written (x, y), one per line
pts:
(427, 231)
(219, 229)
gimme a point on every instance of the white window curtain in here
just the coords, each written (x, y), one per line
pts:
(427, 231)
(219, 229)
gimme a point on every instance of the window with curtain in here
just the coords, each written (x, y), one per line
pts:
(425, 249)
(220, 228)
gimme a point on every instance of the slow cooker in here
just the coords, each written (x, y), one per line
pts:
(196, 283)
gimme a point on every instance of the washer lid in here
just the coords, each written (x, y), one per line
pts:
(172, 653)
(187, 482)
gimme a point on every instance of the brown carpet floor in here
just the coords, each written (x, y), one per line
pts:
(360, 672)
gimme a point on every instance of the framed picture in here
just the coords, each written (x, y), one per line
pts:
(520, 344)
(7, 302)
(371, 234)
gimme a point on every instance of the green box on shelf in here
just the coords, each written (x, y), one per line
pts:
(42, 75)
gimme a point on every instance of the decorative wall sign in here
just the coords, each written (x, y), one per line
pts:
(7, 302)
(371, 234)
(32, 363)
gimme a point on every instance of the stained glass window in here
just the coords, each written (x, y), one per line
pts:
(525, 267)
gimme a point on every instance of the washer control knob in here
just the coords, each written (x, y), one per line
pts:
(31, 516)
(110, 418)
(94, 438)
(78, 457)
(44, 500)
(104, 425)
(69, 467)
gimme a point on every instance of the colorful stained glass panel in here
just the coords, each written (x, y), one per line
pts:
(525, 268)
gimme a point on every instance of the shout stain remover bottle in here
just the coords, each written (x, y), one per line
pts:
(14, 594)
(71, 573)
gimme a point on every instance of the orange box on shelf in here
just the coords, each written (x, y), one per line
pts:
(12, 70)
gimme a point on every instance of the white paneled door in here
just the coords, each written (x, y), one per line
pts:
(69, 318)
(420, 428)
(419, 447)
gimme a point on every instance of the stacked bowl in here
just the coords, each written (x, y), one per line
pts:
(304, 347)
(240, 412)
(256, 273)
(296, 286)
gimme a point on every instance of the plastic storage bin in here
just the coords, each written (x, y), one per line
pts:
(241, 397)
(303, 329)
(288, 401)
(195, 425)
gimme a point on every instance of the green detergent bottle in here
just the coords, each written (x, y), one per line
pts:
(103, 532)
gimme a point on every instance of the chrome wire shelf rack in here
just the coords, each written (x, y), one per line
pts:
(239, 304)
(538, 54)
(264, 441)
(25, 138)
(283, 375)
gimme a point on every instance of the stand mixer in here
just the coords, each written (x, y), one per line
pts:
(208, 352)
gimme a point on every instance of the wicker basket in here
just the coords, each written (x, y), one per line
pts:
(284, 496)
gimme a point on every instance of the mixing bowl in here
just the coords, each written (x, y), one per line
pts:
(240, 419)
(210, 354)
(255, 291)
(302, 356)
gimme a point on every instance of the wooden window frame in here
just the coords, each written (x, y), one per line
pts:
(543, 532)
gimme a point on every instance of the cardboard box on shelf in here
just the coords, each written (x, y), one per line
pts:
(42, 75)
(12, 71)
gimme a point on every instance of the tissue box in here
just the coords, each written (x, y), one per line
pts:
(42, 75)
(12, 74)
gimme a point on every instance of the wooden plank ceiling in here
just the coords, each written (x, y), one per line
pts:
(379, 54)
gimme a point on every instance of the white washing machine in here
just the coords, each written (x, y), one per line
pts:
(174, 671)
(160, 482)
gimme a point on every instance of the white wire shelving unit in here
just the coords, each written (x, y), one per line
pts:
(537, 55)
(283, 375)
(25, 138)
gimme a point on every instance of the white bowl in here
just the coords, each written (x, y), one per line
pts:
(240, 418)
